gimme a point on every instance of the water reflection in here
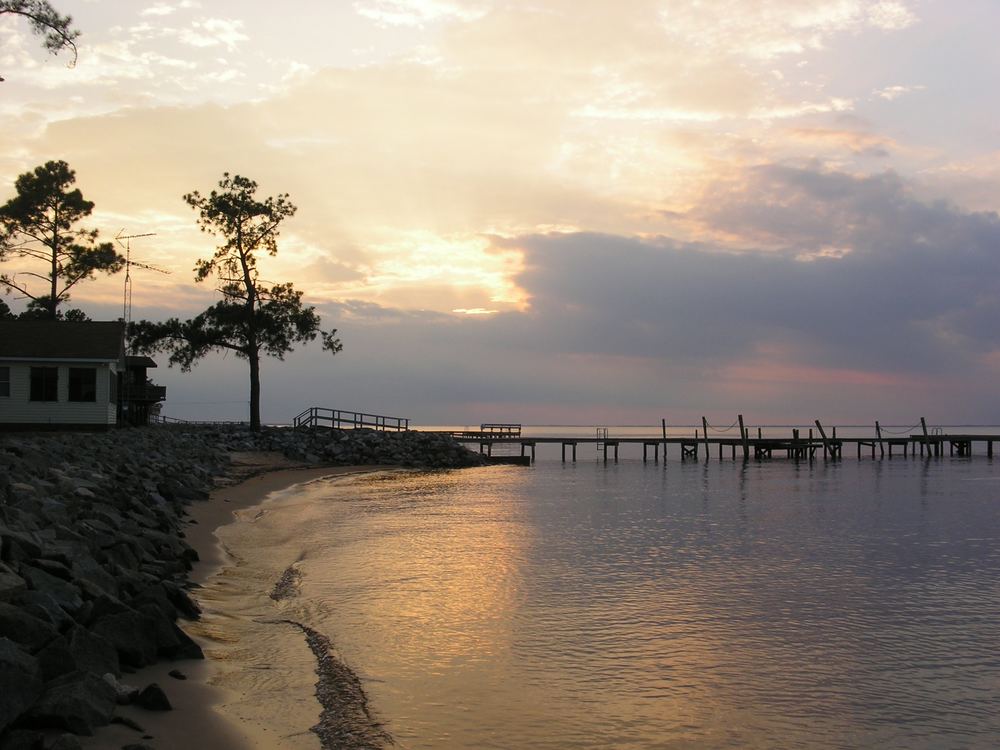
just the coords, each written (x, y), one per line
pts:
(816, 605)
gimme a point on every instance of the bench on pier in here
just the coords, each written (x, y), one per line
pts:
(501, 429)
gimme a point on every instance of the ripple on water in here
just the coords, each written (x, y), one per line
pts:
(705, 606)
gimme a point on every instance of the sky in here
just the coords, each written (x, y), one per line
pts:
(556, 211)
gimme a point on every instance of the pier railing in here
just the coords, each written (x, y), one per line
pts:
(318, 416)
(158, 419)
(801, 444)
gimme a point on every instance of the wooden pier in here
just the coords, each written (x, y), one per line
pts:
(798, 446)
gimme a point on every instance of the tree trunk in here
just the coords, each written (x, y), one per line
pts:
(254, 391)
(53, 302)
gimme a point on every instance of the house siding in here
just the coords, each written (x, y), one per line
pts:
(19, 409)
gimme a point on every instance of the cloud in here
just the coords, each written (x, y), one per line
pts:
(891, 15)
(419, 12)
(913, 286)
(900, 322)
(890, 93)
(212, 32)
(858, 142)
(165, 9)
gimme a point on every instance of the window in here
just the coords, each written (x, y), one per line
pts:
(82, 384)
(113, 387)
(4, 382)
(44, 384)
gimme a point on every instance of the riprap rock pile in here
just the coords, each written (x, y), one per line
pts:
(93, 561)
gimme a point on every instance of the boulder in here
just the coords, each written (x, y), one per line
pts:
(86, 569)
(18, 545)
(23, 628)
(43, 607)
(182, 601)
(185, 648)
(20, 682)
(22, 739)
(56, 659)
(64, 593)
(156, 595)
(65, 742)
(124, 694)
(92, 652)
(78, 702)
(152, 698)
(53, 568)
(10, 583)
(132, 634)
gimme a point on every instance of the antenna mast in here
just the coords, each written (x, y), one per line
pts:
(125, 240)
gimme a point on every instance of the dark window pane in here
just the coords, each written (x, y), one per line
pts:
(4, 382)
(44, 384)
(113, 387)
(82, 384)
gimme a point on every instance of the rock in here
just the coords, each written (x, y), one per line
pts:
(65, 594)
(157, 596)
(22, 739)
(56, 659)
(103, 605)
(53, 568)
(20, 682)
(65, 742)
(78, 702)
(177, 674)
(10, 583)
(92, 652)
(186, 647)
(85, 568)
(124, 694)
(132, 634)
(43, 607)
(23, 628)
(152, 698)
(182, 601)
(92, 553)
(18, 546)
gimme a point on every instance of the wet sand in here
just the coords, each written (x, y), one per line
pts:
(196, 723)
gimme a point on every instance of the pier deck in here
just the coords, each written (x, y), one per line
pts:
(734, 448)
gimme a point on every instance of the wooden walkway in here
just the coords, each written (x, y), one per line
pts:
(797, 446)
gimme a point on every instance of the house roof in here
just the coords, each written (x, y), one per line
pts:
(58, 339)
(139, 361)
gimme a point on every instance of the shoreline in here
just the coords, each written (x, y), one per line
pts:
(196, 723)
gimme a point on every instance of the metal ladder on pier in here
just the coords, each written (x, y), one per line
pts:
(601, 438)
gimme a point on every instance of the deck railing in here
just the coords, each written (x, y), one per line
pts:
(162, 420)
(318, 416)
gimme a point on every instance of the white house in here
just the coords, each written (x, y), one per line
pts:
(59, 375)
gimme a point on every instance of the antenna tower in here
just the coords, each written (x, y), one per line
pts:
(125, 240)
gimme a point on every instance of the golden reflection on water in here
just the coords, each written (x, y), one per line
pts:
(628, 607)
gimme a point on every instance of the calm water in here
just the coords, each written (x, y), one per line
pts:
(832, 605)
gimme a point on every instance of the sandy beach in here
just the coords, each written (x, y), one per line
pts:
(196, 723)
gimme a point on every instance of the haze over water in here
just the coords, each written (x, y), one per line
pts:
(700, 605)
